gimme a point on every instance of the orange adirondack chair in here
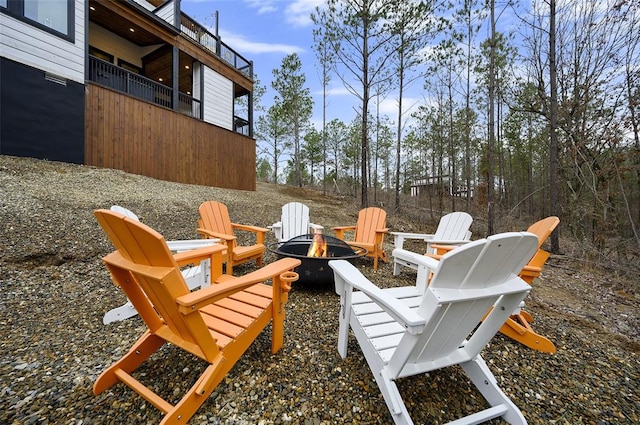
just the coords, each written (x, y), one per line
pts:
(217, 323)
(368, 233)
(215, 222)
(518, 326)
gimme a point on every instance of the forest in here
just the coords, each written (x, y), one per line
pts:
(528, 120)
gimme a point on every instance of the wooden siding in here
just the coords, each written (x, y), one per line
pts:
(128, 134)
(29, 45)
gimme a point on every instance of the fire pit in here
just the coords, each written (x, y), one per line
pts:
(315, 251)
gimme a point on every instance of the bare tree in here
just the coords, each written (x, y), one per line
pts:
(413, 23)
(470, 18)
(359, 33)
(326, 57)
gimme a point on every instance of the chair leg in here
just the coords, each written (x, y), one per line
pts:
(392, 397)
(517, 327)
(146, 345)
(396, 268)
(197, 394)
(479, 373)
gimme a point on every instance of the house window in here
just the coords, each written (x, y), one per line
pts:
(100, 54)
(129, 66)
(54, 16)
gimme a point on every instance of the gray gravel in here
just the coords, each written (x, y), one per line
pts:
(55, 290)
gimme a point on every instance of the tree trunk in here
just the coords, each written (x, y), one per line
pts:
(491, 138)
(553, 124)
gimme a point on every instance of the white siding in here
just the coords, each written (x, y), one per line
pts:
(145, 4)
(166, 12)
(218, 99)
(32, 46)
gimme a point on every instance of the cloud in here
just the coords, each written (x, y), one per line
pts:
(298, 12)
(389, 106)
(338, 91)
(262, 7)
(241, 44)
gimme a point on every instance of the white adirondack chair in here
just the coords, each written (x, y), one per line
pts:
(453, 229)
(196, 277)
(404, 332)
(294, 222)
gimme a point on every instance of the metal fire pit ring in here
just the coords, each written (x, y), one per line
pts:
(316, 270)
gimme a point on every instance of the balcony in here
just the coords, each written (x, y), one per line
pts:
(214, 45)
(114, 77)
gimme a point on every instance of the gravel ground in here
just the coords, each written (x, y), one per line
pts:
(55, 290)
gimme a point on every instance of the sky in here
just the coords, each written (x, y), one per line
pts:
(265, 31)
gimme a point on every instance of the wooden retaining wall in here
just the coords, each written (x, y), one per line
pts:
(138, 137)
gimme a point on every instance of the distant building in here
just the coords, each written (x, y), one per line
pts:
(134, 85)
(426, 185)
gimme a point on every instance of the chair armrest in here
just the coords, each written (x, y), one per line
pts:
(194, 301)
(442, 247)
(354, 279)
(445, 244)
(199, 254)
(341, 229)
(248, 228)
(344, 228)
(399, 237)
(210, 234)
(531, 271)
(379, 236)
(314, 226)
(420, 260)
(260, 232)
(189, 244)
(277, 230)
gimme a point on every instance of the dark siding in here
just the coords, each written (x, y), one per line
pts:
(39, 118)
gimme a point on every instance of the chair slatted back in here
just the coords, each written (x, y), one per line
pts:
(295, 220)
(467, 283)
(146, 271)
(453, 226)
(543, 228)
(214, 216)
(369, 220)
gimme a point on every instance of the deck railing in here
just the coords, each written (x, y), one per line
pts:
(213, 44)
(122, 80)
(189, 106)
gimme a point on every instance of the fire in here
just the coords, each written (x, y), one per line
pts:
(318, 246)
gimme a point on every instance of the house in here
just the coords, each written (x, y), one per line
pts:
(435, 184)
(135, 85)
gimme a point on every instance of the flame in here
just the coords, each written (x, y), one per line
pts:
(318, 246)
